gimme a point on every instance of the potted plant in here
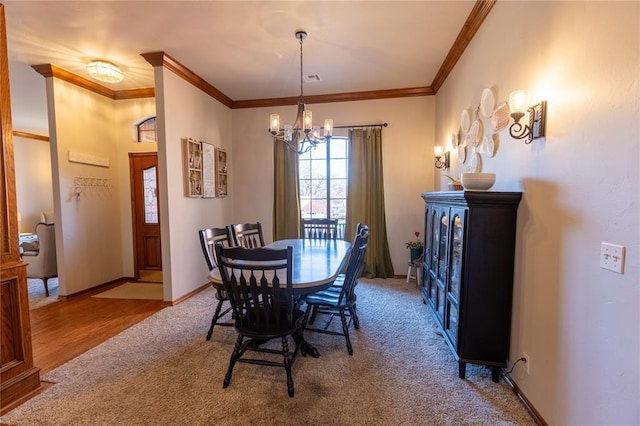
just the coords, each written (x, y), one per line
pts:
(455, 184)
(415, 247)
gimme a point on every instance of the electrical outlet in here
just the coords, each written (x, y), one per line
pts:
(612, 257)
(525, 363)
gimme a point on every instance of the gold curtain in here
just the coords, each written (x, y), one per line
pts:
(286, 197)
(365, 199)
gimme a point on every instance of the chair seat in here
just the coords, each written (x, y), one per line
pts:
(328, 298)
(273, 330)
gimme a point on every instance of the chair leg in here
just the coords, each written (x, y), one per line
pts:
(345, 330)
(287, 365)
(314, 311)
(354, 314)
(214, 319)
(232, 362)
(46, 286)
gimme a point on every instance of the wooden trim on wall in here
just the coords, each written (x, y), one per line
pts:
(537, 417)
(477, 16)
(17, 133)
(162, 59)
(50, 70)
(336, 97)
(148, 92)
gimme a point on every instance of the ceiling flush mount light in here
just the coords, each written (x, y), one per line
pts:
(104, 71)
(441, 163)
(519, 105)
(302, 136)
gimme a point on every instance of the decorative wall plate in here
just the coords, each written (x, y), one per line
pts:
(500, 117)
(489, 146)
(475, 164)
(476, 132)
(465, 120)
(462, 153)
(487, 103)
(454, 140)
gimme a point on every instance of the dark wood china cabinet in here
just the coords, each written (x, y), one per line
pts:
(467, 280)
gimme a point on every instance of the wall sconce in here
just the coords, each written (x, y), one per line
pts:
(519, 105)
(440, 162)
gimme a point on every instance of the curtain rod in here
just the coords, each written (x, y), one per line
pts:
(361, 125)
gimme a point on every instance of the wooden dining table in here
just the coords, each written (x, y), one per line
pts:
(316, 265)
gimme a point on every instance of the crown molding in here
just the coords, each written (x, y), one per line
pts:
(162, 59)
(50, 70)
(477, 16)
(336, 97)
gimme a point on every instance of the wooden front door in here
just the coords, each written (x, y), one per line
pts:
(146, 214)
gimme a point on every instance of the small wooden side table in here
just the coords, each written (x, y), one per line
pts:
(415, 271)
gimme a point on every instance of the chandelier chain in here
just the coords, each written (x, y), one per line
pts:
(301, 96)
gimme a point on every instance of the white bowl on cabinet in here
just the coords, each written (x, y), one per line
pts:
(478, 181)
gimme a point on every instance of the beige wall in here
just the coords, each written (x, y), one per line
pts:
(34, 190)
(578, 323)
(88, 231)
(407, 155)
(185, 111)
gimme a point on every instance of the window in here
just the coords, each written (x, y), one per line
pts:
(323, 181)
(144, 130)
(150, 195)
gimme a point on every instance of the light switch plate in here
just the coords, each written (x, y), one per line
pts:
(612, 257)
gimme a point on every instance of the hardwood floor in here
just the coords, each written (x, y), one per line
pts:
(63, 330)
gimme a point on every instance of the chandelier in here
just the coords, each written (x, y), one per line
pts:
(302, 136)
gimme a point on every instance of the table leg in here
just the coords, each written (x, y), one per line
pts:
(305, 347)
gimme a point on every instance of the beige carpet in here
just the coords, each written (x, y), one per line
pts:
(163, 372)
(145, 291)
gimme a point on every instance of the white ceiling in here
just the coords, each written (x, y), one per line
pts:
(246, 49)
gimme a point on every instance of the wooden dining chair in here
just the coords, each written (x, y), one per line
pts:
(319, 229)
(208, 238)
(344, 301)
(259, 284)
(247, 235)
(336, 287)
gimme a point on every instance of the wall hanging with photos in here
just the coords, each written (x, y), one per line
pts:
(205, 169)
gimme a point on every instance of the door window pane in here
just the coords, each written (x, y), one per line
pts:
(150, 195)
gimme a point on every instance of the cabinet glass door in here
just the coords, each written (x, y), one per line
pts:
(428, 285)
(457, 240)
(441, 228)
(455, 273)
(443, 234)
(433, 239)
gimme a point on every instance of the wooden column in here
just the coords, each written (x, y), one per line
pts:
(18, 376)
